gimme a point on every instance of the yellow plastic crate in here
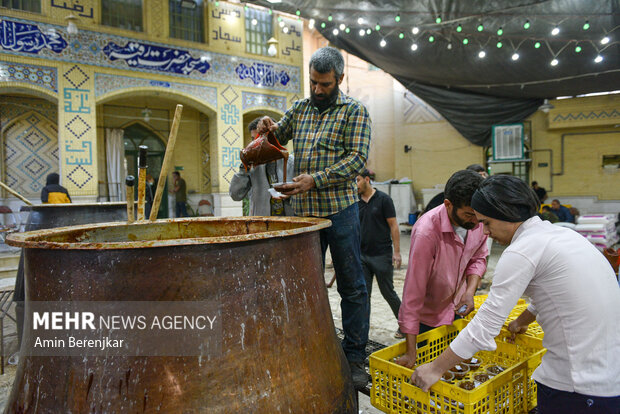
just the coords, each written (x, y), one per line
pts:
(512, 391)
(534, 330)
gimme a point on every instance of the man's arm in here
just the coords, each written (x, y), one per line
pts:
(421, 260)
(474, 271)
(395, 233)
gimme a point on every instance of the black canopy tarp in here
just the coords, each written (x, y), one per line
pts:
(471, 92)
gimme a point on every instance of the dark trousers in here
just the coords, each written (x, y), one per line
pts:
(343, 239)
(552, 401)
(181, 209)
(383, 268)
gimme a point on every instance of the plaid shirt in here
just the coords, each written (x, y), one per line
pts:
(332, 147)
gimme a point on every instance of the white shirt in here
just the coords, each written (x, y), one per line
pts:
(576, 298)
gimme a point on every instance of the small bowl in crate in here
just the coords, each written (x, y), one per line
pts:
(467, 385)
(459, 371)
(495, 370)
(473, 363)
(481, 378)
(447, 376)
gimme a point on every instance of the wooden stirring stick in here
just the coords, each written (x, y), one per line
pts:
(172, 138)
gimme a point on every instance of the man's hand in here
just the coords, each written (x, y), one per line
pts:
(467, 300)
(407, 360)
(516, 328)
(396, 260)
(300, 184)
(425, 376)
(266, 124)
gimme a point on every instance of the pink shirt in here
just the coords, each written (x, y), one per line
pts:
(438, 264)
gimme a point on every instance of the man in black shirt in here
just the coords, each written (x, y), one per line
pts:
(540, 192)
(378, 230)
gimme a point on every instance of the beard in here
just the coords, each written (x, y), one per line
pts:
(465, 224)
(322, 101)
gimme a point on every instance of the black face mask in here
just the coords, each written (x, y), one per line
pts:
(326, 102)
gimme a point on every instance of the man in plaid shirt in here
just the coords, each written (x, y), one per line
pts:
(331, 136)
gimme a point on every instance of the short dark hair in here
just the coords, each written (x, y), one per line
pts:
(476, 167)
(534, 183)
(546, 208)
(556, 200)
(461, 186)
(326, 59)
(254, 124)
(176, 173)
(511, 196)
(366, 173)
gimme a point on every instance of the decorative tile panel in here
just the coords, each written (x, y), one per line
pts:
(108, 83)
(417, 111)
(106, 50)
(575, 118)
(252, 100)
(43, 76)
(29, 143)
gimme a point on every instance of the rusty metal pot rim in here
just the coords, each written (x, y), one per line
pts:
(64, 205)
(36, 239)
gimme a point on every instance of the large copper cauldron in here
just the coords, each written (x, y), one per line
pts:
(47, 216)
(279, 351)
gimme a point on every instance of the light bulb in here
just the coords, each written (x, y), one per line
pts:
(414, 47)
(397, 18)
(360, 20)
(555, 31)
(254, 22)
(342, 26)
(401, 35)
(271, 50)
(500, 31)
(362, 32)
(586, 25)
(515, 56)
(459, 28)
(526, 25)
(377, 27)
(72, 29)
(415, 30)
(465, 41)
(554, 62)
(482, 54)
(605, 40)
(382, 43)
(311, 23)
(335, 32)
(499, 45)
(281, 23)
(578, 49)
(285, 29)
(431, 39)
(598, 59)
(368, 31)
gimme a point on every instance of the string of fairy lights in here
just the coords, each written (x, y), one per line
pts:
(470, 32)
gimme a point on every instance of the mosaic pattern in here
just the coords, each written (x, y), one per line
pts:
(205, 152)
(87, 47)
(109, 83)
(417, 111)
(28, 38)
(229, 173)
(29, 153)
(43, 76)
(262, 74)
(163, 59)
(11, 108)
(252, 100)
(580, 116)
(78, 131)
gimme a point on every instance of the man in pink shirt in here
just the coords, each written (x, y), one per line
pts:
(447, 258)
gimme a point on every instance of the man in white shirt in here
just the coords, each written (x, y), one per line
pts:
(575, 298)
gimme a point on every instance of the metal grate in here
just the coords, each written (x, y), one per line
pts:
(26, 5)
(124, 14)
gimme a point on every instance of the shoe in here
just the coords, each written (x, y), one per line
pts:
(359, 375)
(398, 334)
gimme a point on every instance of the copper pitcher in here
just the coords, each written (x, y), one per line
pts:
(263, 149)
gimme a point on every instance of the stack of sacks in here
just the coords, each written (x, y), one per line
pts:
(600, 229)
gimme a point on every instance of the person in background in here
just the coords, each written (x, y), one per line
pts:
(257, 182)
(149, 195)
(379, 230)
(438, 199)
(548, 215)
(579, 372)
(53, 192)
(331, 136)
(541, 193)
(179, 190)
(447, 259)
(563, 213)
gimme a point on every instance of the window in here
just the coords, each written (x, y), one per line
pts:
(124, 14)
(26, 5)
(258, 29)
(186, 19)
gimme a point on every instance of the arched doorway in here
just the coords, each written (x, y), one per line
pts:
(138, 134)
